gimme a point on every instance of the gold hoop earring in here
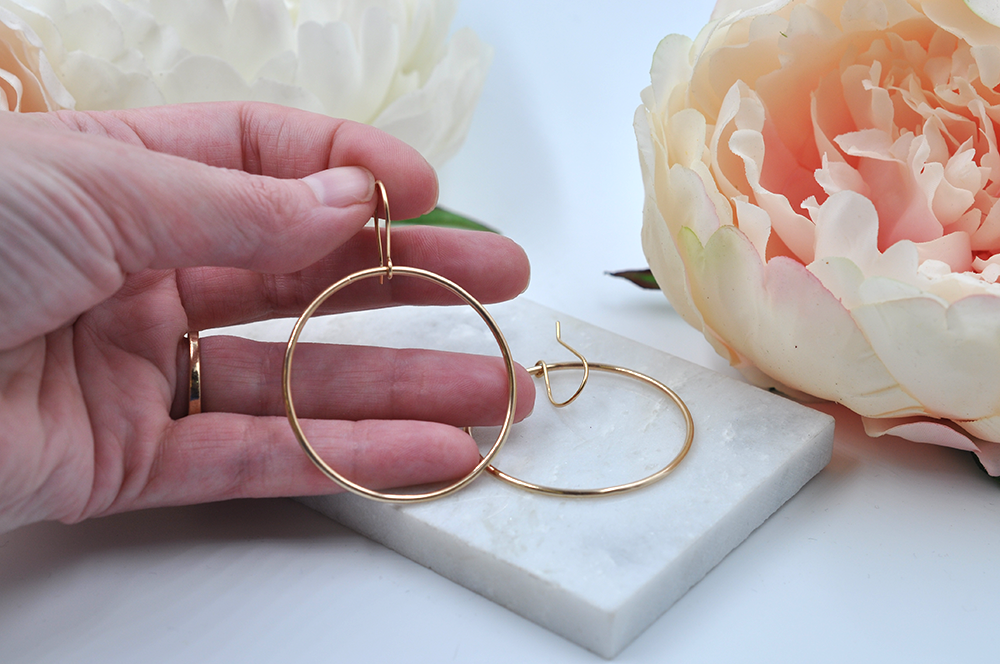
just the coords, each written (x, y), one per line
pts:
(387, 270)
(543, 368)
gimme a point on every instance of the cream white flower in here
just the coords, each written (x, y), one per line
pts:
(388, 63)
(822, 180)
(27, 82)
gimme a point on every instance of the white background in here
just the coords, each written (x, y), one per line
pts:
(892, 553)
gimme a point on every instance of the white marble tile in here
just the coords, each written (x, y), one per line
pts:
(597, 571)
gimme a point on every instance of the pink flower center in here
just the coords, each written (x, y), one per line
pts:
(900, 116)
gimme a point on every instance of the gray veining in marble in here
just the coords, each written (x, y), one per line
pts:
(596, 571)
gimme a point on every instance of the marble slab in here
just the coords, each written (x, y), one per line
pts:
(597, 571)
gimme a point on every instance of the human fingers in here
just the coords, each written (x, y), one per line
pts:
(220, 456)
(81, 212)
(354, 382)
(269, 140)
(490, 267)
(236, 184)
(160, 211)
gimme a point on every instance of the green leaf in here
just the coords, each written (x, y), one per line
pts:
(641, 278)
(446, 219)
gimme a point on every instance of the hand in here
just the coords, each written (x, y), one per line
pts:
(120, 232)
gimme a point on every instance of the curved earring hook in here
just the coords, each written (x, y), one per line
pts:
(384, 259)
(545, 372)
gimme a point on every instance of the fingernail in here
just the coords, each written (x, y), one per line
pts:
(342, 186)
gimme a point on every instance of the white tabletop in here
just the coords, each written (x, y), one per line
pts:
(892, 553)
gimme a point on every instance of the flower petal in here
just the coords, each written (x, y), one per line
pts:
(781, 318)
(925, 430)
(989, 456)
(847, 226)
(919, 430)
(329, 63)
(988, 10)
(684, 203)
(951, 343)
(859, 137)
(671, 68)
(200, 78)
(390, 62)
(978, 28)
(94, 30)
(953, 249)
(741, 8)
(31, 84)
(755, 224)
(200, 24)
(98, 85)
(258, 31)
(275, 92)
(157, 46)
(435, 118)
(749, 144)
(984, 431)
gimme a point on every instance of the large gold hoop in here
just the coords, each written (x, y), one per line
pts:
(390, 271)
(543, 368)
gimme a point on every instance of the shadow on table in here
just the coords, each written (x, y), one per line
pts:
(891, 453)
(41, 549)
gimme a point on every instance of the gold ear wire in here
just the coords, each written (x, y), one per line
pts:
(384, 259)
(545, 372)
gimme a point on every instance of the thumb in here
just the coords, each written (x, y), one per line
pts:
(176, 213)
(80, 212)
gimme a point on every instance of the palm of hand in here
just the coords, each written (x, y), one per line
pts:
(91, 405)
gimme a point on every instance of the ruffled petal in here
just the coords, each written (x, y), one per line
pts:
(924, 430)
(258, 31)
(28, 81)
(920, 430)
(671, 68)
(151, 46)
(93, 29)
(847, 226)
(684, 203)
(953, 343)
(781, 319)
(390, 63)
(436, 117)
(200, 24)
(858, 138)
(749, 144)
(989, 456)
(984, 431)
(201, 78)
(100, 86)
(276, 92)
(740, 8)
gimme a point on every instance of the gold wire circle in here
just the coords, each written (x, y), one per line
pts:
(618, 488)
(391, 271)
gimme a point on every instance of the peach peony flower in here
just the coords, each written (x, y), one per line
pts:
(822, 179)
(388, 63)
(27, 82)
